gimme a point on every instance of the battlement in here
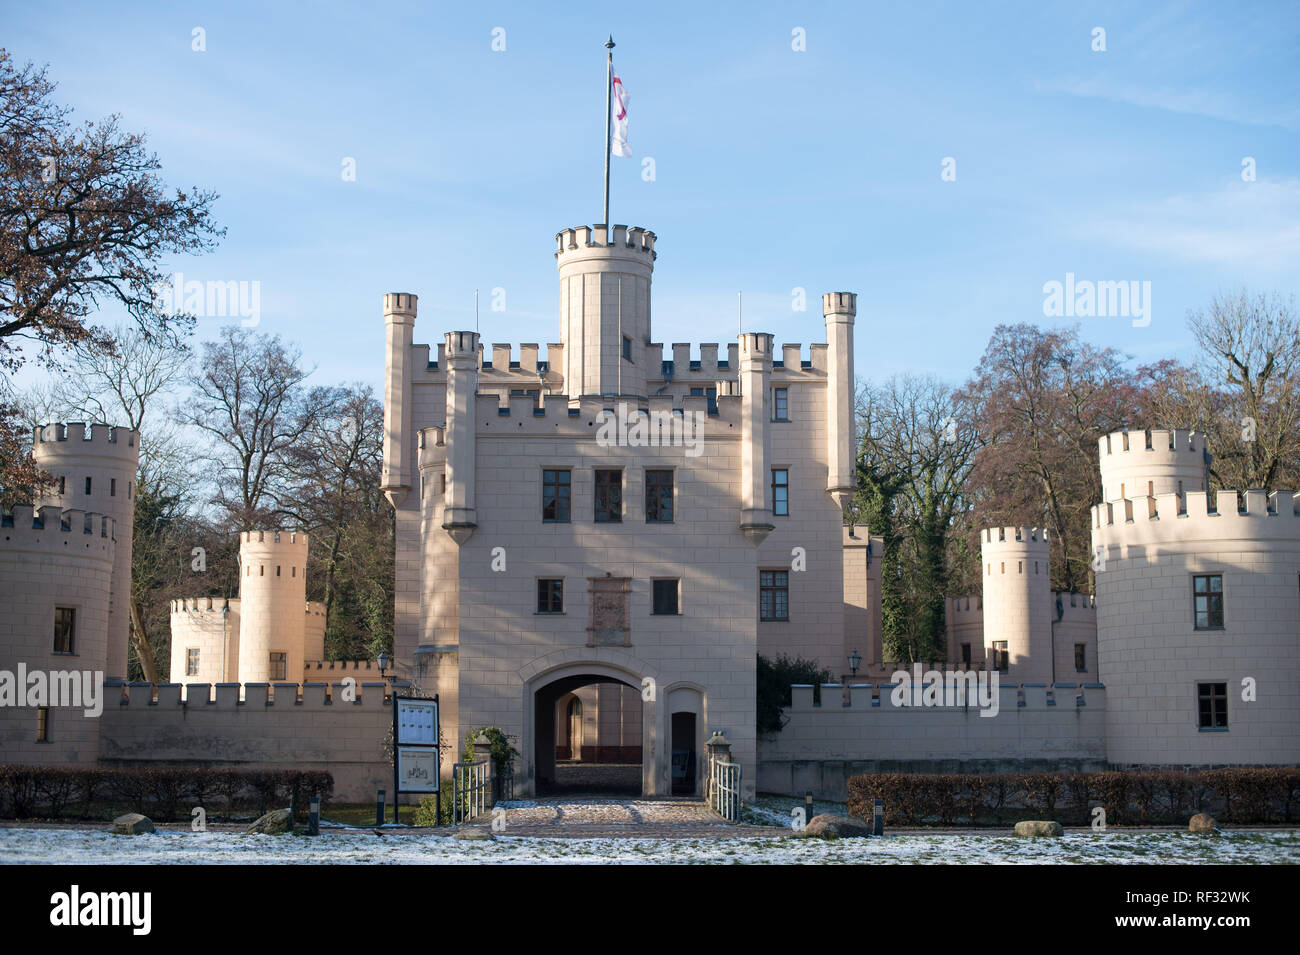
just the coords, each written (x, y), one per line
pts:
(78, 438)
(959, 610)
(58, 530)
(1156, 443)
(401, 304)
(1075, 604)
(1253, 517)
(288, 540)
(312, 668)
(840, 303)
(204, 605)
(164, 697)
(1012, 698)
(625, 242)
(1014, 538)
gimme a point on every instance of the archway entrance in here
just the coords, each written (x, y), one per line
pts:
(588, 732)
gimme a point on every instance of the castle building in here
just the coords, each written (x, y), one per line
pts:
(267, 634)
(615, 513)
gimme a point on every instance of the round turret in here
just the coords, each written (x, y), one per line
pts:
(56, 570)
(605, 309)
(273, 597)
(94, 468)
(1148, 463)
(1018, 601)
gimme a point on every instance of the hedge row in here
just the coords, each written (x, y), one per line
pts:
(164, 794)
(1155, 797)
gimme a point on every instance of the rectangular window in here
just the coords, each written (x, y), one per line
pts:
(1081, 657)
(774, 595)
(965, 653)
(550, 595)
(627, 349)
(87, 485)
(65, 630)
(191, 662)
(112, 487)
(43, 724)
(665, 596)
(781, 492)
(609, 497)
(1001, 657)
(781, 404)
(279, 666)
(659, 497)
(711, 394)
(63, 485)
(1212, 706)
(1207, 601)
(556, 491)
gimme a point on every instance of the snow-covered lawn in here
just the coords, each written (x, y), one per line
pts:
(362, 846)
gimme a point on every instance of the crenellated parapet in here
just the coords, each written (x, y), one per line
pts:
(57, 530)
(1253, 519)
(55, 441)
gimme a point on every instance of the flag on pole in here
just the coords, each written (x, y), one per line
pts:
(619, 144)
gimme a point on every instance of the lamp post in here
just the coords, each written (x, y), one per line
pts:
(855, 661)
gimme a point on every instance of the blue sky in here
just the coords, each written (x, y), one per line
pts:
(775, 169)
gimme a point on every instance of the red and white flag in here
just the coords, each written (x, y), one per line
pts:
(618, 145)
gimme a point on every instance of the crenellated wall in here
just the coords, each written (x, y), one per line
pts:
(1037, 728)
(273, 727)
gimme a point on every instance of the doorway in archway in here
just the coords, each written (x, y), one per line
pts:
(588, 732)
(684, 757)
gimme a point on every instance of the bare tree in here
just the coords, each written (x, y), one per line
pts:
(249, 399)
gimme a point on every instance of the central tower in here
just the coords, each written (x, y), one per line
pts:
(605, 309)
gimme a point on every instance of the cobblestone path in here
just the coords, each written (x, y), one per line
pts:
(603, 818)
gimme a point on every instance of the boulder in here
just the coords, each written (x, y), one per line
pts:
(132, 824)
(475, 833)
(829, 826)
(273, 823)
(1202, 822)
(1039, 827)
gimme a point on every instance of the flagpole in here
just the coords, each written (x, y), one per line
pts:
(609, 111)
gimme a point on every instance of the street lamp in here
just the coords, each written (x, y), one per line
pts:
(383, 662)
(855, 661)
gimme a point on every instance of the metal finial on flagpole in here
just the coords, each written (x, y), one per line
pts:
(476, 310)
(609, 112)
(740, 313)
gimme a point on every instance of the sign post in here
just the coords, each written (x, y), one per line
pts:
(417, 759)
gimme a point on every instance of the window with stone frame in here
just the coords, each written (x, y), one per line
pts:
(609, 496)
(1081, 657)
(666, 596)
(1212, 706)
(658, 496)
(1207, 601)
(965, 654)
(191, 662)
(774, 595)
(550, 595)
(557, 495)
(780, 404)
(65, 630)
(781, 492)
(1001, 656)
(279, 666)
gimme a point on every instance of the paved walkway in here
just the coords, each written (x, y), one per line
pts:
(605, 818)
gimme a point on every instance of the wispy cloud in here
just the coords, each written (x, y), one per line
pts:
(1252, 225)
(1190, 100)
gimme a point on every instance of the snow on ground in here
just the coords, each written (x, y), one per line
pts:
(364, 847)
